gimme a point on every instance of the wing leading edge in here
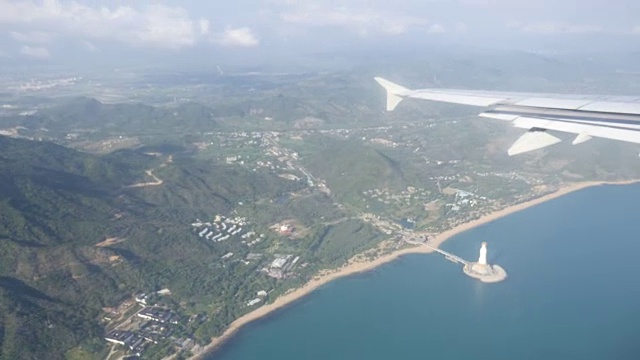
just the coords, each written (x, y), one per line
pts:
(610, 117)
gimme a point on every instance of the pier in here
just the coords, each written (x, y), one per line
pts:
(479, 270)
(449, 256)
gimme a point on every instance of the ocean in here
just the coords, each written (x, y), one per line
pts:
(573, 292)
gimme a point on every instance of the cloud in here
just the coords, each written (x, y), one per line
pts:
(548, 28)
(35, 52)
(361, 21)
(204, 26)
(175, 25)
(238, 37)
(157, 26)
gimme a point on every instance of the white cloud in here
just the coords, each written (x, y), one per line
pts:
(35, 52)
(548, 28)
(177, 24)
(157, 26)
(361, 21)
(204, 26)
(238, 37)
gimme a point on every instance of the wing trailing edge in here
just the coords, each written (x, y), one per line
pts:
(587, 116)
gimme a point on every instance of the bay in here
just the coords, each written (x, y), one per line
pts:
(572, 292)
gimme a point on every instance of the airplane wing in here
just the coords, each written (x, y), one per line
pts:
(610, 117)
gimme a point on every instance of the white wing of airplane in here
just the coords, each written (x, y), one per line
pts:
(610, 117)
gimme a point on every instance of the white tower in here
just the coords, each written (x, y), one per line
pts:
(483, 254)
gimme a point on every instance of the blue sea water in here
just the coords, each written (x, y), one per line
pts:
(573, 292)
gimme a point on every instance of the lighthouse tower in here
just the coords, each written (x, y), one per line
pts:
(482, 260)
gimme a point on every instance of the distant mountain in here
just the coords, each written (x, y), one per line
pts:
(87, 114)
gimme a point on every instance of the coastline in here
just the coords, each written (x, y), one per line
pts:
(363, 266)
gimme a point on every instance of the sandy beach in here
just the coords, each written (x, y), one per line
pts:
(363, 266)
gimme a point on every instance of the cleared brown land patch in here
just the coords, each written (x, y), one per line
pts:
(110, 241)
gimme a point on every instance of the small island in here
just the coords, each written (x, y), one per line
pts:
(482, 271)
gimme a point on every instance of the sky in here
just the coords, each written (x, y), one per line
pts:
(66, 30)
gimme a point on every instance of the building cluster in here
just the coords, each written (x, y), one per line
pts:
(405, 197)
(234, 159)
(231, 139)
(143, 299)
(251, 257)
(135, 342)
(439, 162)
(154, 330)
(386, 226)
(266, 141)
(274, 157)
(152, 324)
(281, 159)
(361, 133)
(445, 177)
(223, 228)
(290, 177)
(531, 179)
(255, 241)
(268, 154)
(464, 199)
(163, 316)
(281, 266)
(384, 142)
(261, 295)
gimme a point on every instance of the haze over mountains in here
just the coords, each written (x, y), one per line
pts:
(89, 34)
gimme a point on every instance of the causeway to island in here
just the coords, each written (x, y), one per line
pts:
(479, 270)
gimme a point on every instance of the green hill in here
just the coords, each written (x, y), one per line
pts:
(350, 167)
(88, 114)
(56, 204)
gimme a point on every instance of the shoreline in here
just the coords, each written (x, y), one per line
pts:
(360, 267)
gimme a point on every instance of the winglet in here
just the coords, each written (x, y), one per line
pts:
(394, 92)
(532, 140)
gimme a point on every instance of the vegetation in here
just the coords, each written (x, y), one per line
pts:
(77, 238)
(58, 204)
